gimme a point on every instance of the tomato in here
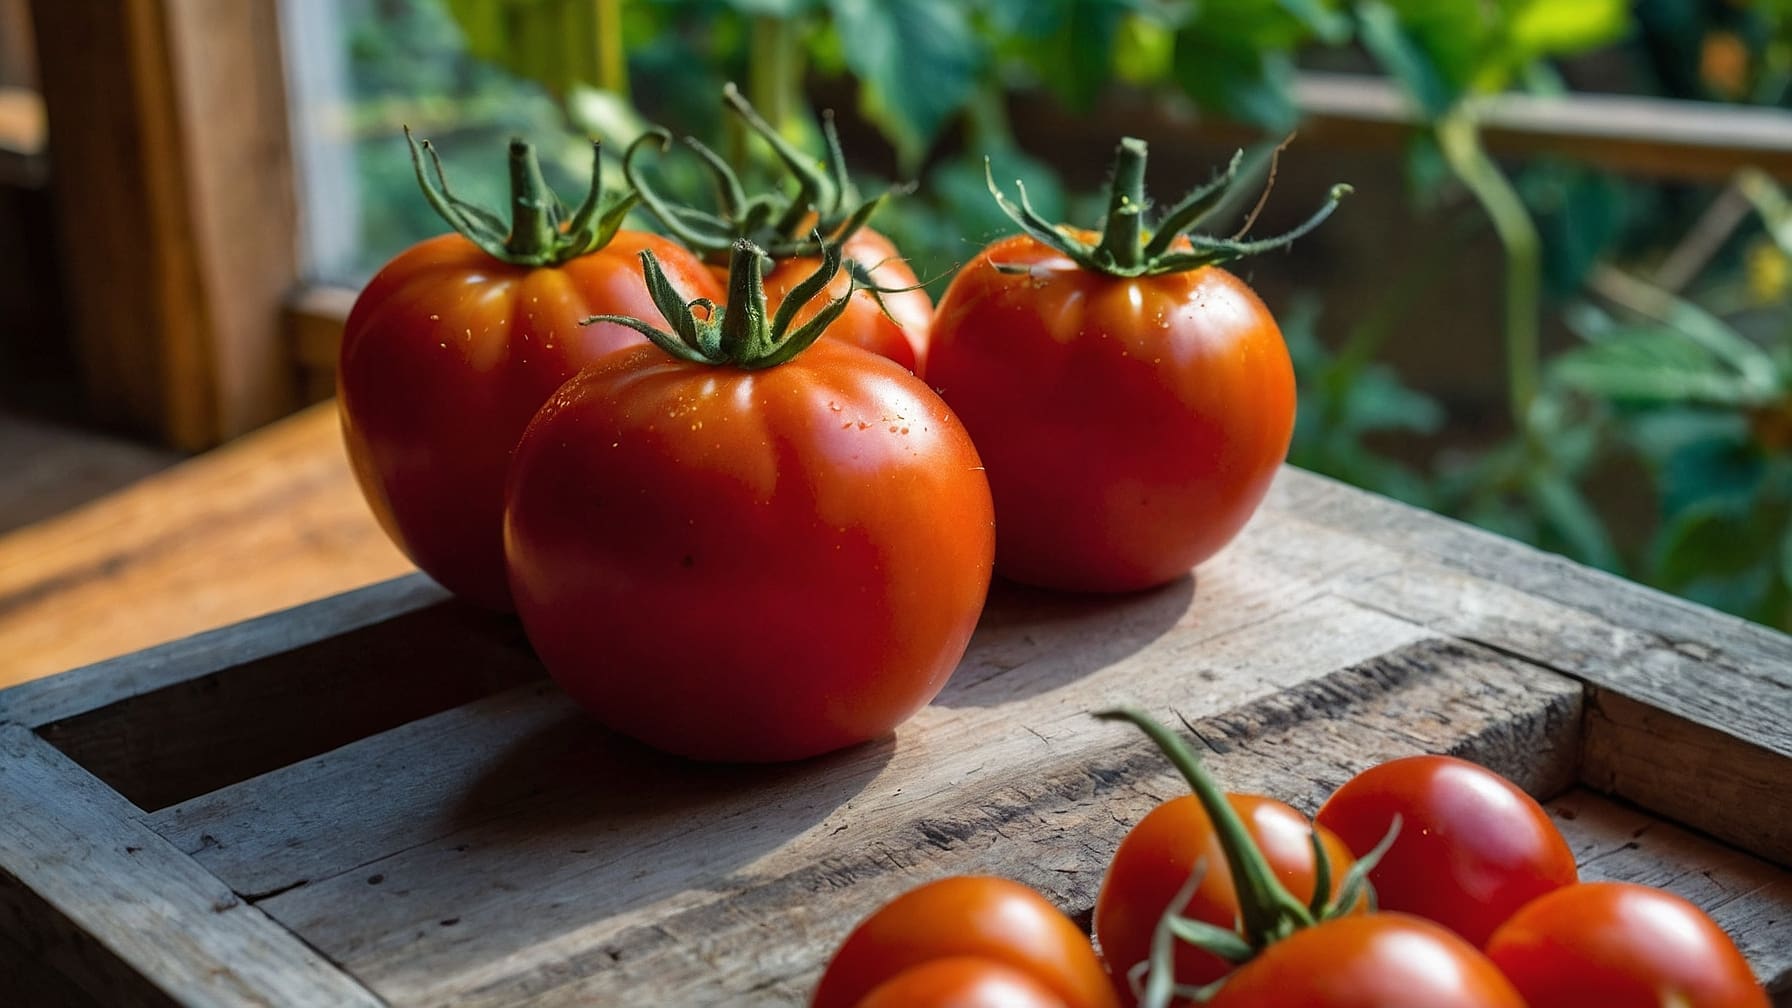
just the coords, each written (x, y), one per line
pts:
(447, 354)
(786, 225)
(1132, 414)
(1621, 945)
(1472, 848)
(897, 329)
(962, 982)
(1156, 858)
(1381, 960)
(733, 561)
(966, 915)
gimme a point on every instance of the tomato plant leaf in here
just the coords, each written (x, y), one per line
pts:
(1245, 83)
(1403, 59)
(1653, 365)
(1709, 539)
(1568, 513)
(918, 62)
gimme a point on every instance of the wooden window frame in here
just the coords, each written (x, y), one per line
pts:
(173, 164)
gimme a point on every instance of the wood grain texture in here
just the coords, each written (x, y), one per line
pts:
(1749, 898)
(177, 212)
(270, 521)
(134, 921)
(574, 868)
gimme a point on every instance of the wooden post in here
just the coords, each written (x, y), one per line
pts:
(174, 201)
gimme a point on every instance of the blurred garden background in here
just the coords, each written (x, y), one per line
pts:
(1590, 352)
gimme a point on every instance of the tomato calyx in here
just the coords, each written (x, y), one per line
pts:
(1268, 912)
(541, 231)
(1125, 248)
(741, 334)
(825, 207)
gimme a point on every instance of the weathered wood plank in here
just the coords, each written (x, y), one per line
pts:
(599, 890)
(134, 921)
(1037, 653)
(1749, 898)
(1712, 690)
(1690, 773)
(270, 521)
(251, 718)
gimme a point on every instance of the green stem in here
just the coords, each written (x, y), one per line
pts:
(1459, 136)
(775, 73)
(532, 225)
(744, 328)
(612, 61)
(1267, 909)
(1121, 234)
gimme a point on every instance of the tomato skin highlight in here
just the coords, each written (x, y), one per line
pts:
(1379, 960)
(745, 565)
(1154, 861)
(1131, 425)
(961, 982)
(1621, 945)
(1472, 847)
(446, 356)
(966, 915)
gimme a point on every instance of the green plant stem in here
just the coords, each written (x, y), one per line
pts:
(612, 60)
(532, 230)
(775, 71)
(1121, 233)
(1459, 136)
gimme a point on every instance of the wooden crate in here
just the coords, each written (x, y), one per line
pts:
(378, 799)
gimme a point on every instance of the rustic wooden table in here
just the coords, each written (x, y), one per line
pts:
(376, 797)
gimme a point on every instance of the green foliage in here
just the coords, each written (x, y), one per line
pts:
(1693, 389)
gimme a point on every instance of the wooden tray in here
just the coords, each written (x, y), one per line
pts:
(378, 799)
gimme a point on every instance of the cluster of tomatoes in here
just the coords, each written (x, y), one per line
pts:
(1426, 881)
(746, 489)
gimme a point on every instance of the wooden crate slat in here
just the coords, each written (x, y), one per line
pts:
(1038, 661)
(1749, 898)
(288, 706)
(1030, 782)
(79, 691)
(802, 853)
(1690, 773)
(154, 927)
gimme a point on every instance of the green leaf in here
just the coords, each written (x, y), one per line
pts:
(1402, 58)
(1246, 84)
(918, 62)
(1144, 51)
(1322, 17)
(1539, 28)
(1653, 365)
(1566, 511)
(1713, 539)
(1070, 44)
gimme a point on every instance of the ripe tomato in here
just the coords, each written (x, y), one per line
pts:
(446, 355)
(1380, 960)
(962, 982)
(1472, 847)
(1158, 855)
(1131, 400)
(733, 561)
(786, 225)
(981, 916)
(1621, 945)
(901, 333)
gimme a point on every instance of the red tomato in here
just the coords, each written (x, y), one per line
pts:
(1381, 960)
(991, 918)
(740, 564)
(446, 355)
(900, 333)
(1621, 945)
(1156, 858)
(1131, 425)
(1472, 847)
(962, 982)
